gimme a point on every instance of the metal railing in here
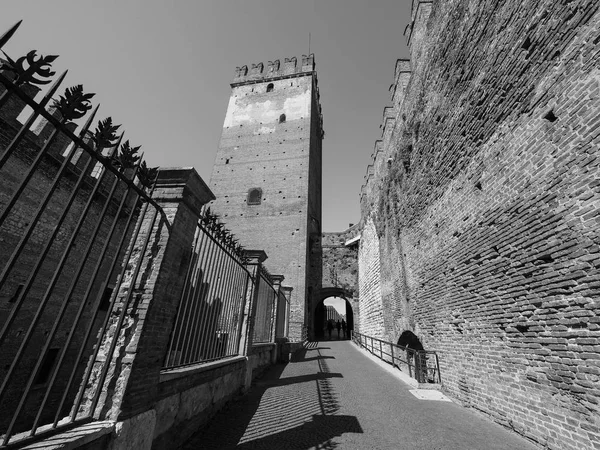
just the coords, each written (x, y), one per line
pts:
(283, 307)
(69, 205)
(304, 335)
(264, 319)
(209, 319)
(422, 365)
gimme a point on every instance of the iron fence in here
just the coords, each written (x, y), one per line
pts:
(283, 308)
(70, 197)
(264, 319)
(422, 365)
(209, 319)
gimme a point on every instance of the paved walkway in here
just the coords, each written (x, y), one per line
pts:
(332, 396)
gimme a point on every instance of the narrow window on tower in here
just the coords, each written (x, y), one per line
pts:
(282, 118)
(254, 196)
(269, 87)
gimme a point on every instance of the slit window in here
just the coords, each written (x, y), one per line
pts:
(254, 196)
(269, 87)
(282, 118)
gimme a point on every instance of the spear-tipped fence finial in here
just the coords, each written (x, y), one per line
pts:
(6, 36)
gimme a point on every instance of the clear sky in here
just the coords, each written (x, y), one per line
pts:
(338, 303)
(163, 68)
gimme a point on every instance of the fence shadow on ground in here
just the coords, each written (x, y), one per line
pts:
(290, 406)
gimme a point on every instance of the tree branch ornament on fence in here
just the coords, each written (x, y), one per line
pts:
(42, 67)
(74, 104)
(128, 157)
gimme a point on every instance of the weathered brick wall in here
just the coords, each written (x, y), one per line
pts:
(340, 261)
(369, 283)
(486, 208)
(284, 160)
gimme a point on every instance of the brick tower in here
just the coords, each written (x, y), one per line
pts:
(267, 173)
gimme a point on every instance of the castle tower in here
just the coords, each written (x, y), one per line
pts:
(267, 173)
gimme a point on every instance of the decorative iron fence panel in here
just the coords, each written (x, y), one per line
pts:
(209, 319)
(283, 305)
(265, 309)
(65, 226)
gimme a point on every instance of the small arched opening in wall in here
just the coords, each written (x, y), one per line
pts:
(410, 340)
(254, 196)
(269, 87)
(331, 307)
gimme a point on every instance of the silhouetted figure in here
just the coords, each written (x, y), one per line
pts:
(329, 327)
(338, 325)
(344, 327)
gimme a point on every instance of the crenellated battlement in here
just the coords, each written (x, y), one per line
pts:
(402, 66)
(420, 11)
(274, 69)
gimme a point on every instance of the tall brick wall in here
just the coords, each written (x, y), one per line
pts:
(340, 260)
(283, 159)
(369, 282)
(485, 198)
(339, 271)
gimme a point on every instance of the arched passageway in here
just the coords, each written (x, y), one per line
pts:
(410, 340)
(322, 316)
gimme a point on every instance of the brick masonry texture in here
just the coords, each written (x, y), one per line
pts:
(271, 140)
(480, 210)
(339, 262)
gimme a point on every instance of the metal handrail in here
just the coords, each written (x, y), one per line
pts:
(422, 365)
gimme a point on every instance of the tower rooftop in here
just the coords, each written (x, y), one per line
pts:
(258, 73)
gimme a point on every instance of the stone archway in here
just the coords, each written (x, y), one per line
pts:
(339, 276)
(410, 340)
(318, 317)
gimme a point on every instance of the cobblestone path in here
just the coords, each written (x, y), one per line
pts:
(331, 396)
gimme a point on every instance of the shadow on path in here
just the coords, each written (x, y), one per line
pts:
(290, 406)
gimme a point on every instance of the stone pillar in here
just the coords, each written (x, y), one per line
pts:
(132, 384)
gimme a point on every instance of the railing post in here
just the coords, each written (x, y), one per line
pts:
(380, 350)
(392, 354)
(419, 367)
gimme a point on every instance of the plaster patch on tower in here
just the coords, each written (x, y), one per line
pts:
(297, 107)
(264, 130)
(239, 112)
